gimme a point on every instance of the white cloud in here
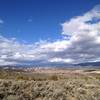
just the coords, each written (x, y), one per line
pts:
(60, 60)
(80, 24)
(85, 35)
(82, 46)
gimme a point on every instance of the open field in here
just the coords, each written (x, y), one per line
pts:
(50, 84)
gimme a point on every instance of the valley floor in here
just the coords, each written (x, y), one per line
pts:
(74, 85)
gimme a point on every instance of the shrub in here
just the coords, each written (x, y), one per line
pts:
(53, 77)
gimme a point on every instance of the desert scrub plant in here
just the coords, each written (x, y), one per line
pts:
(82, 90)
(53, 77)
(12, 97)
(20, 77)
(49, 87)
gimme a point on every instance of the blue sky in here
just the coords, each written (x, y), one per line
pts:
(34, 20)
(49, 31)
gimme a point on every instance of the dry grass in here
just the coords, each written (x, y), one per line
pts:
(24, 86)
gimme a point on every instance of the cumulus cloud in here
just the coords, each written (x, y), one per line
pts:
(89, 22)
(13, 52)
(85, 36)
(82, 46)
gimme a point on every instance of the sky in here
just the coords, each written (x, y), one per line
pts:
(49, 31)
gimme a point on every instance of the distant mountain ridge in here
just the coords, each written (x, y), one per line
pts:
(56, 65)
(89, 64)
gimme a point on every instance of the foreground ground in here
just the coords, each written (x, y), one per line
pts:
(50, 85)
